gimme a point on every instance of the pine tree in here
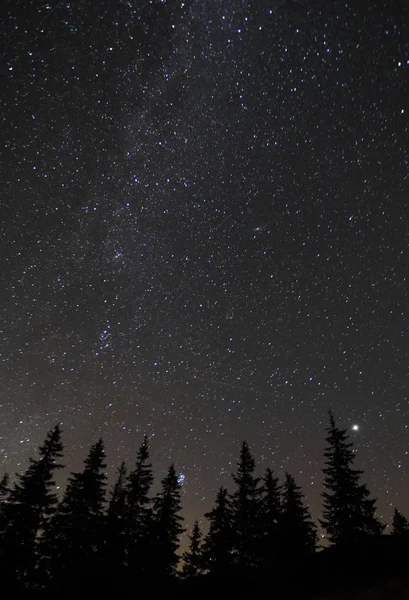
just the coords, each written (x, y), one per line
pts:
(138, 512)
(400, 524)
(218, 543)
(245, 504)
(114, 547)
(192, 559)
(167, 525)
(270, 518)
(7, 578)
(298, 533)
(348, 513)
(4, 497)
(77, 531)
(28, 510)
(4, 488)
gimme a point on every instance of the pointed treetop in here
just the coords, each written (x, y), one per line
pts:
(400, 524)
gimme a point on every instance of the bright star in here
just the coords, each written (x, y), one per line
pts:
(355, 427)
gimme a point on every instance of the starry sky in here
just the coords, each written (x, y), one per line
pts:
(204, 231)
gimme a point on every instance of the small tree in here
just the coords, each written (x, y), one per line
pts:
(29, 508)
(218, 543)
(298, 533)
(245, 505)
(400, 524)
(192, 559)
(348, 513)
(167, 525)
(270, 518)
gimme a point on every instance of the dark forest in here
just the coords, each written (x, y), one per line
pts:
(258, 536)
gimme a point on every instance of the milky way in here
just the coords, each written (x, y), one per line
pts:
(204, 231)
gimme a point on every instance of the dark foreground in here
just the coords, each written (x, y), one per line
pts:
(379, 571)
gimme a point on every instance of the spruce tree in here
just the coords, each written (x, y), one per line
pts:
(77, 532)
(400, 524)
(4, 489)
(246, 505)
(138, 511)
(167, 525)
(348, 512)
(270, 518)
(114, 547)
(192, 559)
(4, 496)
(28, 510)
(218, 543)
(298, 533)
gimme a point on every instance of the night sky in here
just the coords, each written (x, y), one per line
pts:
(204, 233)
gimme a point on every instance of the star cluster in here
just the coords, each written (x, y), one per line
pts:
(204, 234)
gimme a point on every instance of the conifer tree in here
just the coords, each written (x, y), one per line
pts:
(114, 547)
(117, 501)
(270, 518)
(167, 525)
(4, 488)
(400, 524)
(245, 504)
(348, 512)
(298, 533)
(218, 543)
(28, 510)
(4, 496)
(138, 512)
(77, 531)
(192, 559)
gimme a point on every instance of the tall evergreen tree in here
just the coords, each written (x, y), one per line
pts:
(218, 543)
(298, 534)
(192, 559)
(28, 510)
(245, 504)
(348, 512)
(76, 535)
(400, 524)
(270, 518)
(4, 496)
(4, 488)
(114, 547)
(167, 525)
(117, 501)
(138, 513)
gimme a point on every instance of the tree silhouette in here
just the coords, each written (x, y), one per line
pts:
(192, 559)
(167, 526)
(4, 496)
(4, 488)
(28, 510)
(348, 513)
(114, 547)
(139, 513)
(76, 535)
(245, 505)
(218, 543)
(270, 518)
(298, 532)
(400, 524)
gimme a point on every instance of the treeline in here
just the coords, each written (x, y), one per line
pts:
(96, 540)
